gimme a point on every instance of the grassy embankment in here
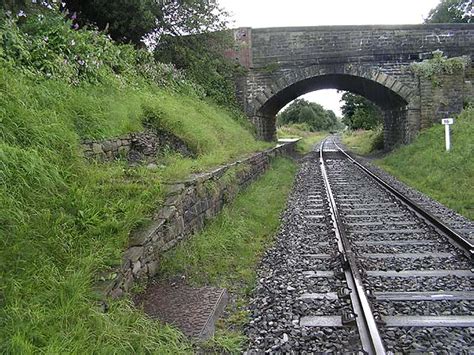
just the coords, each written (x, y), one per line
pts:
(62, 219)
(445, 176)
(226, 253)
(426, 166)
(308, 138)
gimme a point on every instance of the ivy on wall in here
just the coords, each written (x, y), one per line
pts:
(438, 65)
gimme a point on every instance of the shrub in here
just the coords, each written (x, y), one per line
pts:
(44, 43)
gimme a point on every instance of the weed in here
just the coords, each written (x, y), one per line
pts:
(63, 220)
(439, 65)
(223, 341)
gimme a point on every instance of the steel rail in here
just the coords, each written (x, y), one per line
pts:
(441, 227)
(366, 323)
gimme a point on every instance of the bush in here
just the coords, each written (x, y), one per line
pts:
(44, 43)
(364, 141)
(377, 139)
(202, 58)
(310, 113)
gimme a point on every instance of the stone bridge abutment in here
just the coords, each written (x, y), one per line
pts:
(372, 61)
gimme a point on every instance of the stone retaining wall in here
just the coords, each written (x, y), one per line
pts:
(188, 205)
(135, 147)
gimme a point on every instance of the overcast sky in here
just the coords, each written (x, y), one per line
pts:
(280, 13)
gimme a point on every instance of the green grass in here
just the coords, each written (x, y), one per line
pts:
(362, 141)
(226, 252)
(62, 220)
(308, 139)
(445, 176)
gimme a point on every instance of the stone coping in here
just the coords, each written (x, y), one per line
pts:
(443, 26)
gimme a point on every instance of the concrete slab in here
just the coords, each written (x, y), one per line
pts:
(321, 321)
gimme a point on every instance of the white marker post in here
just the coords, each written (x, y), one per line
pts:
(447, 122)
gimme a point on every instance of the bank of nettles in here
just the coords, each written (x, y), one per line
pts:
(62, 218)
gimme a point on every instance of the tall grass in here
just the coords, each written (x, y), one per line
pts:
(446, 176)
(63, 220)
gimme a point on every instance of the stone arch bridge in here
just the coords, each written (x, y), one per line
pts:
(372, 61)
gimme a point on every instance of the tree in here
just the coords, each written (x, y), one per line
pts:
(125, 20)
(311, 113)
(202, 58)
(359, 113)
(188, 17)
(15, 6)
(451, 11)
(129, 21)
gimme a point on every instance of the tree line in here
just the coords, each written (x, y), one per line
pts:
(310, 113)
(358, 113)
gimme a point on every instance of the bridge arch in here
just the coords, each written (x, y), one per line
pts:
(397, 101)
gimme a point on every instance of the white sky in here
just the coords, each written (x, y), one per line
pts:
(280, 13)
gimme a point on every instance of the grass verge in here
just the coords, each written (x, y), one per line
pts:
(308, 139)
(226, 253)
(362, 141)
(63, 220)
(445, 176)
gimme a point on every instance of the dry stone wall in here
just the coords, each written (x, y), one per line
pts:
(188, 205)
(443, 97)
(135, 147)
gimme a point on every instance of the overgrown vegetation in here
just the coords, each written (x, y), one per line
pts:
(438, 65)
(226, 252)
(307, 140)
(202, 58)
(63, 219)
(445, 176)
(132, 21)
(43, 45)
(364, 142)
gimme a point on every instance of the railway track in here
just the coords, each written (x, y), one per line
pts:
(418, 285)
(356, 267)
